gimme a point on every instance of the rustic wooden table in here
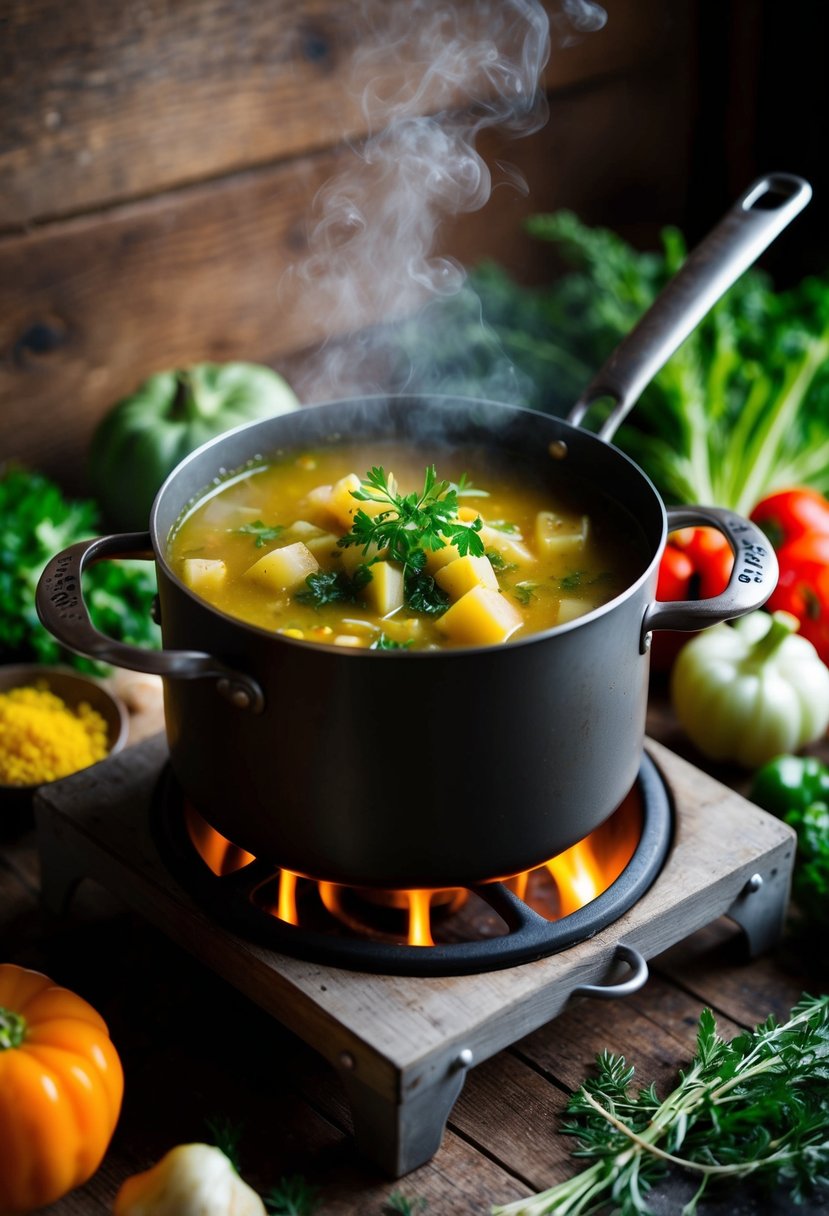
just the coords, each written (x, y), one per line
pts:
(195, 1051)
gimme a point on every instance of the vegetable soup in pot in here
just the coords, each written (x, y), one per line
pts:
(399, 547)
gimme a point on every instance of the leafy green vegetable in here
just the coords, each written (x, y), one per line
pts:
(386, 643)
(741, 409)
(263, 534)
(524, 592)
(334, 587)
(757, 1106)
(292, 1197)
(36, 522)
(424, 595)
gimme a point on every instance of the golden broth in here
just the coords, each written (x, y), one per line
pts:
(549, 558)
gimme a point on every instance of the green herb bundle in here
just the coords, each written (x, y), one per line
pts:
(36, 522)
(754, 1107)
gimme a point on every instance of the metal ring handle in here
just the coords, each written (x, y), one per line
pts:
(622, 953)
(730, 248)
(61, 608)
(752, 580)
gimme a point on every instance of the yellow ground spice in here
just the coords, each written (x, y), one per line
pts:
(42, 738)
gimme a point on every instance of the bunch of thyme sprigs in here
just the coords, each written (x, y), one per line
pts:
(757, 1106)
(411, 526)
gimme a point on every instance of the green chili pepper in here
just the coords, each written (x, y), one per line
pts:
(790, 783)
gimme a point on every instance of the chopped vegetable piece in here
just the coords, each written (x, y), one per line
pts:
(480, 617)
(286, 568)
(204, 573)
(558, 534)
(464, 573)
(384, 593)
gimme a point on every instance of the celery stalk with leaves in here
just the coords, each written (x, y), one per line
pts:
(755, 1107)
(740, 410)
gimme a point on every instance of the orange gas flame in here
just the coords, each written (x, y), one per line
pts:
(580, 874)
(215, 850)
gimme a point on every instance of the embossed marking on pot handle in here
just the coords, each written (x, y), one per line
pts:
(752, 580)
(61, 608)
(733, 245)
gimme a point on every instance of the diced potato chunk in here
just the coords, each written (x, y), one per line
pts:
(316, 504)
(481, 617)
(352, 556)
(324, 544)
(286, 568)
(571, 607)
(560, 533)
(508, 544)
(465, 573)
(348, 639)
(385, 591)
(204, 574)
(436, 559)
(344, 506)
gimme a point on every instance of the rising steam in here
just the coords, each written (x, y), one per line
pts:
(431, 76)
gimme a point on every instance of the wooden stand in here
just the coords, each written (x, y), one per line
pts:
(402, 1045)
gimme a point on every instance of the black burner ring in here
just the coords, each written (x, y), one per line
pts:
(530, 936)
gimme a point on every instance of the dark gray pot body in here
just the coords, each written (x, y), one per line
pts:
(412, 769)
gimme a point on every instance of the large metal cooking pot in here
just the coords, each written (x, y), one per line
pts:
(433, 768)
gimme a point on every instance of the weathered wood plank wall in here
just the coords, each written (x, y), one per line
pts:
(159, 162)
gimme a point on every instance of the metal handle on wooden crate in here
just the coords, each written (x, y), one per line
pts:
(636, 980)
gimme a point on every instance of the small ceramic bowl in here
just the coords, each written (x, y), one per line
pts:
(16, 800)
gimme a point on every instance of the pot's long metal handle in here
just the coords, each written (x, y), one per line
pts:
(61, 608)
(731, 247)
(632, 983)
(752, 580)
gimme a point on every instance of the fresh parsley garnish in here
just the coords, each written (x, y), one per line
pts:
(524, 592)
(499, 563)
(383, 642)
(262, 532)
(411, 525)
(334, 587)
(578, 578)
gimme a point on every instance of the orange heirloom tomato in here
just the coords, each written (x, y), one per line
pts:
(61, 1085)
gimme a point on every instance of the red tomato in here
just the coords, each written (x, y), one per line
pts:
(790, 514)
(803, 588)
(696, 565)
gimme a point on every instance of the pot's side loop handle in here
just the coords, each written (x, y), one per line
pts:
(61, 608)
(736, 242)
(752, 580)
(632, 983)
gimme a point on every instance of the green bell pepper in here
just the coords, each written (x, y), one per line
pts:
(796, 789)
(790, 783)
(147, 434)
